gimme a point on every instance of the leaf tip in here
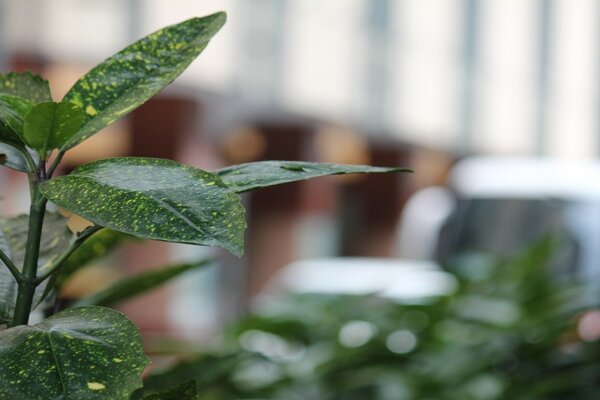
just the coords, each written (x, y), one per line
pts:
(236, 250)
(215, 21)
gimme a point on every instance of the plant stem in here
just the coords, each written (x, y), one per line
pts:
(29, 160)
(30, 263)
(83, 236)
(11, 266)
(57, 159)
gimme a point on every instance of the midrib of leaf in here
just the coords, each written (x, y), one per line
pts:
(190, 223)
(50, 130)
(59, 372)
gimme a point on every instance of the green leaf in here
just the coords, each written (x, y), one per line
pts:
(26, 85)
(12, 114)
(80, 353)
(129, 78)
(133, 286)
(185, 391)
(13, 236)
(210, 372)
(50, 125)
(260, 174)
(97, 246)
(153, 199)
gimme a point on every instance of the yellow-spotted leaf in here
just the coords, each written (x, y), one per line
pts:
(80, 353)
(50, 125)
(25, 85)
(260, 174)
(153, 199)
(130, 77)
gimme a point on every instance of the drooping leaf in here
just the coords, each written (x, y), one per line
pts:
(153, 199)
(14, 158)
(260, 174)
(185, 391)
(130, 77)
(56, 237)
(12, 114)
(26, 85)
(97, 246)
(133, 286)
(210, 372)
(80, 353)
(50, 125)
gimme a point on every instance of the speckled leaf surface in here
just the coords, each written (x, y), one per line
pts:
(26, 85)
(260, 174)
(80, 353)
(13, 236)
(12, 114)
(50, 125)
(153, 199)
(135, 285)
(132, 76)
(14, 158)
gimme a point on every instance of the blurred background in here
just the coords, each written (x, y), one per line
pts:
(496, 106)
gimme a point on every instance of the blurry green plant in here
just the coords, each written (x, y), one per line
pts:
(92, 352)
(508, 332)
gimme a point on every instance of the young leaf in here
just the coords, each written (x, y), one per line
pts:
(260, 174)
(13, 237)
(80, 353)
(130, 287)
(50, 125)
(12, 114)
(153, 199)
(26, 85)
(129, 78)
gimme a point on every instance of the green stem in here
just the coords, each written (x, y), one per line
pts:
(57, 159)
(30, 263)
(83, 236)
(29, 160)
(11, 266)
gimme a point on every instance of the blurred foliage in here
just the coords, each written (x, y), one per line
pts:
(508, 332)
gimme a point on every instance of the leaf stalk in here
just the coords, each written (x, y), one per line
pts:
(58, 263)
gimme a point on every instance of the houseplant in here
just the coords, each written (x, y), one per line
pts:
(94, 352)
